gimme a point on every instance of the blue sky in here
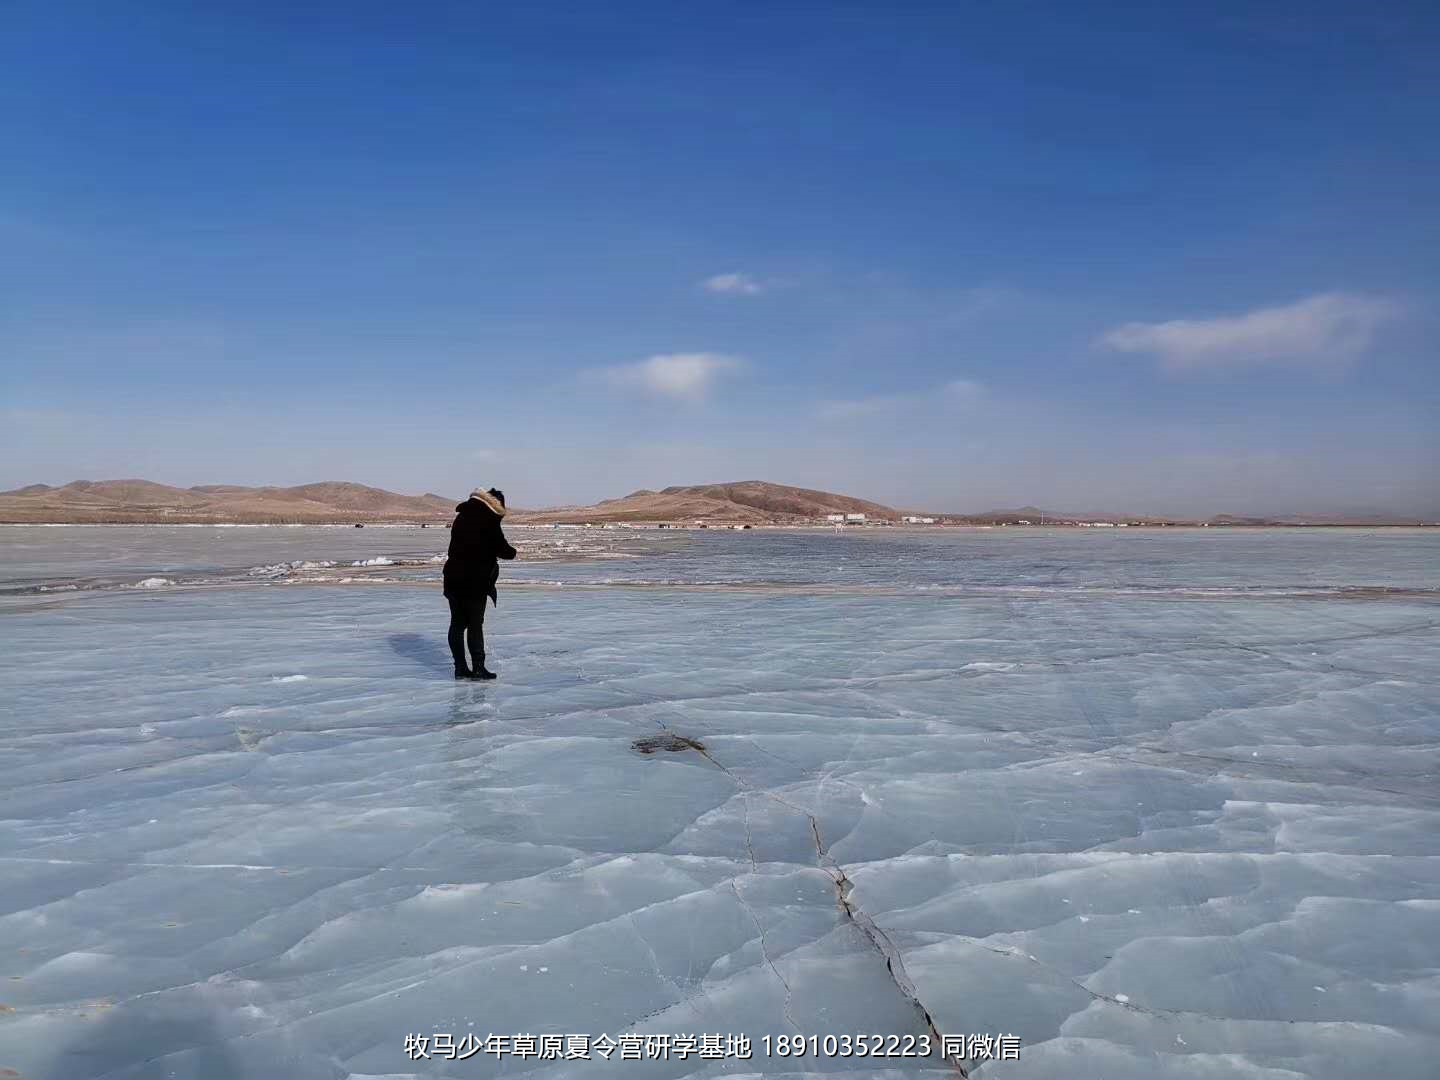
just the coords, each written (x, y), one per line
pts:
(1169, 258)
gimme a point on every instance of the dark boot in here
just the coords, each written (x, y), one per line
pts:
(482, 672)
(463, 673)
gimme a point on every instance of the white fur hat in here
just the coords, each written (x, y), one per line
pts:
(481, 495)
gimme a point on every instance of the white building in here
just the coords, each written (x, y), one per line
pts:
(913, 520)
(854, 517)
(835, 517)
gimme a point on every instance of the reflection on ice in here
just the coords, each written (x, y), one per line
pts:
(259, 832)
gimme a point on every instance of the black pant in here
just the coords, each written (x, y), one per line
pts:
(467, 613)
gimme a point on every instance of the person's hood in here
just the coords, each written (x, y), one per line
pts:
(480, 499)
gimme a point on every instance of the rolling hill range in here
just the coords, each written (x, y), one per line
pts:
(144, 502)
(749, 502)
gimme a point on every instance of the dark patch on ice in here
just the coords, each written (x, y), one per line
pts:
(250, 739)
(146, 1039)
(430, 653)
(669, 742)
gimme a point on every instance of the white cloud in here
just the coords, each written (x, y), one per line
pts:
(686, 376)
(956, 391)
(1319, 332)
(735, 284)
(964, 390)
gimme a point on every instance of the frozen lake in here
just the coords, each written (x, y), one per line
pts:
(1157, 803)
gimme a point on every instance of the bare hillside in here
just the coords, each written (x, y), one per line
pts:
(141, 501)
(753, 502)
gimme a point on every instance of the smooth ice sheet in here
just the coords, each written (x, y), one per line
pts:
(260, 832)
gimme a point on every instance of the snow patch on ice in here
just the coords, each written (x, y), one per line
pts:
(450, 892)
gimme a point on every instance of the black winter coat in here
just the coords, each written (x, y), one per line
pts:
(476, 542)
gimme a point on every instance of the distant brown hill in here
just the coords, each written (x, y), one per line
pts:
(750, 502)
(142, 502)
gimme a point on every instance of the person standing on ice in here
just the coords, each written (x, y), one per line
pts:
(471, 569)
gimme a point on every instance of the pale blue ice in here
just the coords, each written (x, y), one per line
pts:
(1176, 817)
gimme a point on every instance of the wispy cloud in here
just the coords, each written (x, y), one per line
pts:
(685, 376)
(957, 391)
(963, 390)
(736, 284)
(1321, 331)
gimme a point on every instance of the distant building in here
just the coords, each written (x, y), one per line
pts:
(914, 520)
(854, 517)
(835, 517)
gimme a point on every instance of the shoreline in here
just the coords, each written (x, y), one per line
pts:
(668, 526)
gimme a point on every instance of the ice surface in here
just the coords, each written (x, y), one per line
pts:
(1020, 562)
(39, 560)
(258, 831)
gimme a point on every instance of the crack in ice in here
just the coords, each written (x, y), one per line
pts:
(877, 938)
(765, 952)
